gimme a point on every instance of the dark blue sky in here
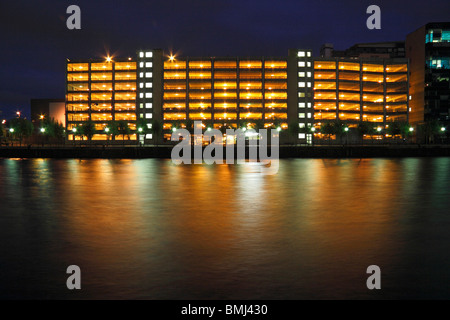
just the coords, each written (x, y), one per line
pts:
(34, 40)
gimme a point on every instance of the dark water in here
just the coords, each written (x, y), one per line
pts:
(147, 229)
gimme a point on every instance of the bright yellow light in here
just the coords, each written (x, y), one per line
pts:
(108, 59)
(171, 57)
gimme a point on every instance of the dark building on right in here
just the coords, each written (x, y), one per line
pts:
(386, 50)
(428, 50)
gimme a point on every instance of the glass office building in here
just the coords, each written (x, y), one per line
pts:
(428, 49)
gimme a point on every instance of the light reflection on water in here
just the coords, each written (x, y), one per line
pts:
(147, 229)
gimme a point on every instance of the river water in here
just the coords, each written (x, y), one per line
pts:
(148, 229)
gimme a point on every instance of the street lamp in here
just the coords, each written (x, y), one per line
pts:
(411, 129)
(379, 129)
(443, 129)
(346, 135)
(140, 129)
(74, 130)
(42, 130)
(106, 129)
(11, 130)
(313, 129)
(279, 129)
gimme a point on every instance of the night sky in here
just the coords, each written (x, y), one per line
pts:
(35, 42)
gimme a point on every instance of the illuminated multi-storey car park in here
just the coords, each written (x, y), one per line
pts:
(355, 90)
(258, 92)
(101, 92)
(225, 92)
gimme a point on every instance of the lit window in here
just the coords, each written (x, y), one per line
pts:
(309, 84)
(148, 94)
(141, 85)
(148, 64)
(301, 84)
(301, 105)
(141, 65)
(149, 125)
(148, 136)
(309, 54)
(301, 74)
(308, 64)
(148, 105)
(309, 104)
(301, 115)
(301, 63)
(148, 74)
(141, 95)
(148, 54)
(301, 94)
(301, 53)
(308, 74)
(141, 54)
(301, 125)
(309, 115)
(141, 75)
(148, 85)
(148, 116)
(301, 135)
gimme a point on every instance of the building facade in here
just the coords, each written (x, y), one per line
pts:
(386, 50)
(224, 92)
(101, 92)
(428, 49)
(355, 90)
(298, 92)
(300, 95)
(48, 109)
